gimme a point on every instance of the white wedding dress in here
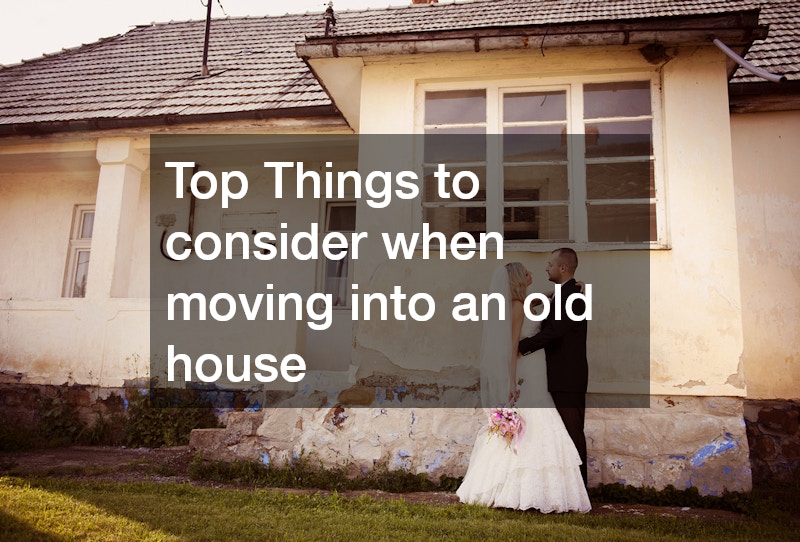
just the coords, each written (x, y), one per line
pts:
(544, 473)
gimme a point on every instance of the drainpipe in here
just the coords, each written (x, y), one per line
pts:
(755, 70)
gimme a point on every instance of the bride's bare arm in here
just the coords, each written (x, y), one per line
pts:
(517, 316)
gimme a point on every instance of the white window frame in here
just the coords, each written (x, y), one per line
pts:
(578, 221)
(77, 246)
(323, 261)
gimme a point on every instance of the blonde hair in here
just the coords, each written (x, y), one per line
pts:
(517, 281)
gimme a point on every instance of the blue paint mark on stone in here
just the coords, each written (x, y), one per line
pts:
(403, 453)
(717, 446)
(677, 457)
(727, 470)
(264, 458)
(401, 389)
(437, 461)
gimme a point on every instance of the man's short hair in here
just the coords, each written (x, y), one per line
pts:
(568, 257)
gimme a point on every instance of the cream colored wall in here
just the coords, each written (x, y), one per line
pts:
(103, 339)
(766, 165)
(696, 327)
(35, 222)
(695, 311)
(44, 337)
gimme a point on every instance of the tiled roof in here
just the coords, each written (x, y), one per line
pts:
(153, 70)
(497, 13)
(780, 52)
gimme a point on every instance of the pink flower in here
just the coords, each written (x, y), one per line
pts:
(507, 424)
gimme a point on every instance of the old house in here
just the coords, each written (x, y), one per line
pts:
(667, 164)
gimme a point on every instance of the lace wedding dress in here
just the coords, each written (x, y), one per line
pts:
(544, 472)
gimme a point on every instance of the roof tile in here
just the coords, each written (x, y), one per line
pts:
(154, 70)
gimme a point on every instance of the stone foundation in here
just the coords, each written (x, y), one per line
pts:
(773, 433)
(680, 441)
(19, 402)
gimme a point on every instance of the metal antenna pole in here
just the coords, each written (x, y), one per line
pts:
(204, 71)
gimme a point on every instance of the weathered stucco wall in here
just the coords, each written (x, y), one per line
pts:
(103, 338)
(45, 338)
(766, 164)
(695, 335)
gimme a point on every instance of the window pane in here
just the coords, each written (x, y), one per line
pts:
(342, 218)
(521, 222)
(623, 180)
(455, 145)
(553, 224)
(631, 223)
(87, 225)
(449, 221)
(336, 282)
(431, 188)
(549, 181)
(535, 106)
(81, 274)
(337, 272)
(535, 144)
(455, 107)
(629, 99)
(619, 139)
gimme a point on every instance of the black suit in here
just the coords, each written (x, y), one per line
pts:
(564, 343)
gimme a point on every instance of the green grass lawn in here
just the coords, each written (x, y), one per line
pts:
(63, 509)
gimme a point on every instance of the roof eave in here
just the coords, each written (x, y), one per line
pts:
(113, 123)
(736, 29)
(762, 96)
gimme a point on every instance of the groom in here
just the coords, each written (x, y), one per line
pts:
(564, 343)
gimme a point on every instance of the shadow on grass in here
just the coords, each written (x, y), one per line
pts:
(211, 513)
(226, 514)
(13, 529)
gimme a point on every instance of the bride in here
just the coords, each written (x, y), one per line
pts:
(542, 470)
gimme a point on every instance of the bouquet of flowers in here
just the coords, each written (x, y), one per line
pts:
(506, 423)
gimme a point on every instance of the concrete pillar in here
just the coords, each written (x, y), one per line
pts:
(121, 169)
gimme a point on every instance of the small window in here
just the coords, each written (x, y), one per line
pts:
(338, 273)
(80, 243)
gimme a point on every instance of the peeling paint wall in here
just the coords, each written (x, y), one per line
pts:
(766, 165)
(695, 335)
